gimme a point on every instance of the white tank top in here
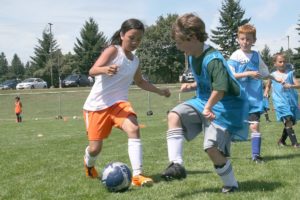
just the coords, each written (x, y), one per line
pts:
(108, 90)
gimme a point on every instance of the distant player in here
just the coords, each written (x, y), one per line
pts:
(107, 105)
(18, 109)
(285, 99)
(217, 109)
(249, 68)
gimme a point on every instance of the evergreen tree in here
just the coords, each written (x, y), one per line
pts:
(3, 67)
(266, 57)
(43, 60)
(231, 18)
(159, 58)
(17, 68)
(91, 44)
(296, 56)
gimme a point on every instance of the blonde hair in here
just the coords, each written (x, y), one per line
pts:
(247, 29)
(187, 26)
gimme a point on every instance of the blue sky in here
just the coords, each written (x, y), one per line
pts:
(22, 22)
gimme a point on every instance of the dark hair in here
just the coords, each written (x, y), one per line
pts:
(126, 26)
(17, 97)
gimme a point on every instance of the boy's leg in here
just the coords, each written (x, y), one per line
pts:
(255, 137)
(183, 122)
(217, 145)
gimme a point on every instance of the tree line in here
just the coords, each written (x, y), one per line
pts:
(160, 60)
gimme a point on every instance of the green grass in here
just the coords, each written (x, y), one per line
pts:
(42, 159)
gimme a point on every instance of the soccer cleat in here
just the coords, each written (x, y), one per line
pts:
(281, 143)
(296, 145)
(174, 171)
(229, 189)
(258, 159)
(90, 172)
(141, 180)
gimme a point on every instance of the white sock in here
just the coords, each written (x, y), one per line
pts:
(135, 155)
(89, 160)
(175, 145)
(227, 175)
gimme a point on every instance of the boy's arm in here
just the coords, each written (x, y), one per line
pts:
(267, 88)
(213, 99)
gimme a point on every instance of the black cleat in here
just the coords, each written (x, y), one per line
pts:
(296, 145)
(174, 171)
(229, 189)
(258, 160)
(281, 143)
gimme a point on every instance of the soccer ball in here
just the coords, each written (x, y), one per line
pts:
(116, 177)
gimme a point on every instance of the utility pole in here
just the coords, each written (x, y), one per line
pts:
(288, 50)
(51, 69)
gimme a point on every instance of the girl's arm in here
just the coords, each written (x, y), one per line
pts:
(295, 85)
(145, 85)
(101, 65)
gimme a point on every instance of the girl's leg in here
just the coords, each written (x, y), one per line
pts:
(90, 157)
(130, 126)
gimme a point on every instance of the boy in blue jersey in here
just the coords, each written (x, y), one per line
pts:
(285, 99)
(217, 109)
(248, 68)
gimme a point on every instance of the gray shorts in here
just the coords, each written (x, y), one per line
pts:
(193, 123)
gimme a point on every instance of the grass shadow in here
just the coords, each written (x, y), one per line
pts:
(245, 186)
(157, 177)
(281, 157)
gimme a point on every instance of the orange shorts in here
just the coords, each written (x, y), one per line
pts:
(99, 123)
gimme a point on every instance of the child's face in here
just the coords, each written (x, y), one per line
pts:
(246, 41)
(131, 39)
(190, 47)
(280, 63)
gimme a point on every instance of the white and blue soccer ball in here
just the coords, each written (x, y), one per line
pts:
(116, 177)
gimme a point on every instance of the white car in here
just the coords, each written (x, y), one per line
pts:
(32, 83)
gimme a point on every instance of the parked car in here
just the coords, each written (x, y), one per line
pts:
(76, 80)
(187, 76)
(9, 84)
(32, 83)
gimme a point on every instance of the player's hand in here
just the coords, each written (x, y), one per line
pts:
(254, 74)
(287, 86)
(186, 87)
(165, 92)
(208, 114)
(112, 69)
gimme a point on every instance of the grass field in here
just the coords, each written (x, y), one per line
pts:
(42, 158)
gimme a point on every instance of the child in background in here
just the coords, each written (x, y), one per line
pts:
(285, 99)
(248, 68)
(217, 109)
(107, 105)
(18, 109)
(266, 105)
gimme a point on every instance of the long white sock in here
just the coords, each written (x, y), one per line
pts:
(175, 145)
(227, 175)
(135, 155)
(89, 160)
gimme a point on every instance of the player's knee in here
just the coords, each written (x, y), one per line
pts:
(94, 150)
(173, 118)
